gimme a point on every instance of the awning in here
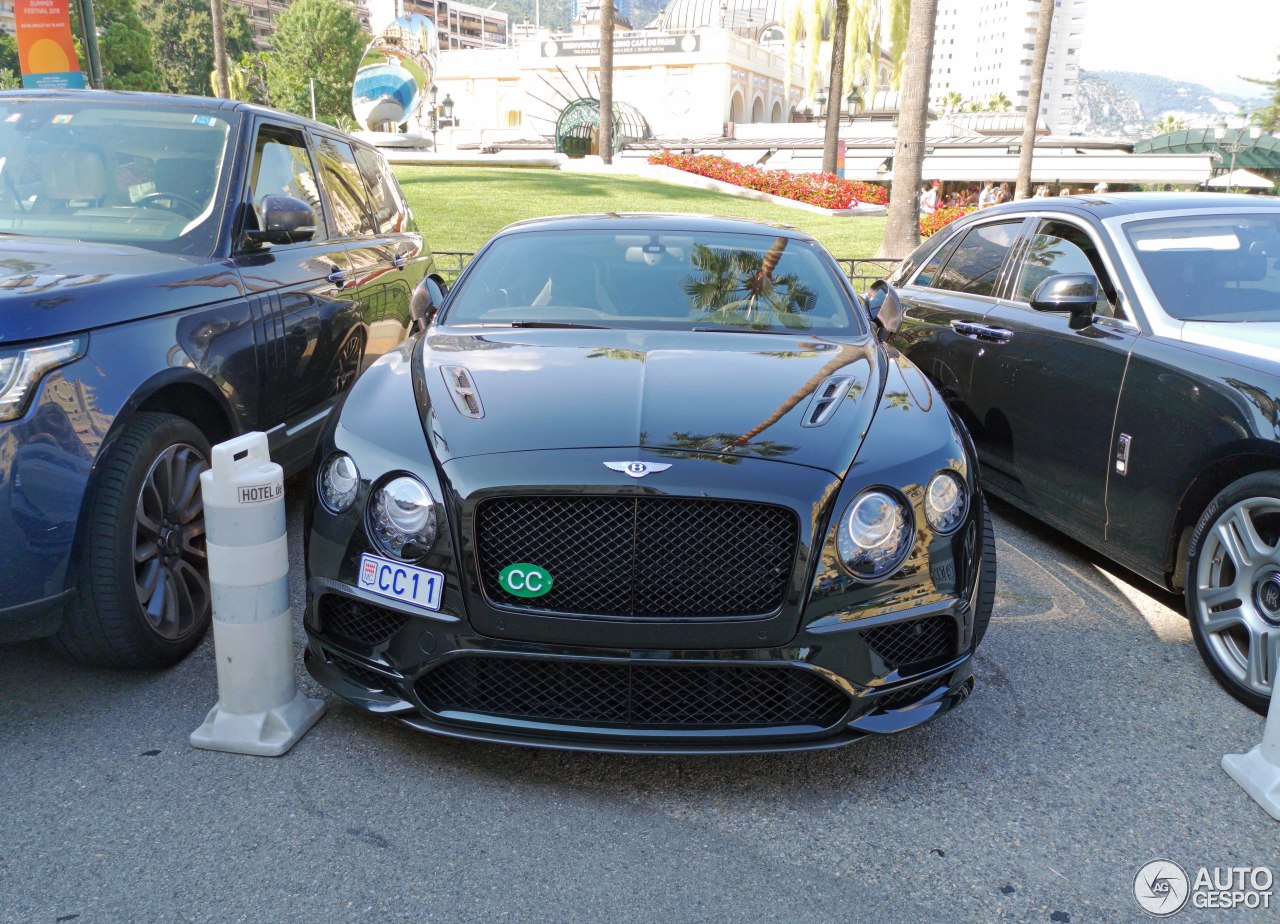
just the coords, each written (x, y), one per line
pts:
(1240, 179)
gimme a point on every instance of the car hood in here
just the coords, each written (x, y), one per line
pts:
(1255, 343)
(713, 395)
(51, 287)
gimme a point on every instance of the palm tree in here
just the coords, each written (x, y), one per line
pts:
(606, 81)
(223, 87)
(951, 102)
(846, 355)
(739, 288)
(902, 233)
(1167, 125)
(1044, 28)
(831, 136)
(998, 102)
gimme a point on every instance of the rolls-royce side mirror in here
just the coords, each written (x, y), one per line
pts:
(1075, 293)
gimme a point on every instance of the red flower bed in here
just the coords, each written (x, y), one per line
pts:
(940, 218)
(822, 189)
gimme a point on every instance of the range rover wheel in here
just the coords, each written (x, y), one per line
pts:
(144, 598)
(1233, 587)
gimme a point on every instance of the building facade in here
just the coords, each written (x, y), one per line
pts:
(460, 25)
(985, 47)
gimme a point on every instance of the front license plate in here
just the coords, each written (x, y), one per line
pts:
(399, 581)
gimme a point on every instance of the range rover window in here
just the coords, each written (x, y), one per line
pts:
(387, 209)
(341, 178)
(974, 267)
(1060, 247)
(106, 172)
(281, 167)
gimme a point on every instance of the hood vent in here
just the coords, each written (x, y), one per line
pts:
(462, 389)
(826, 399)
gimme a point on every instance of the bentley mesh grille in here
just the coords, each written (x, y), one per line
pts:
(649, 557)
(632, 695)
(358, 620)
(913, 641)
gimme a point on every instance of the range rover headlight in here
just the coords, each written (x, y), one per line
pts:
(875, 534)
(339, 482)
(945, 501)
(22, 368)
(402, 517)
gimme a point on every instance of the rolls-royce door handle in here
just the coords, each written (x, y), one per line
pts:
(983, 332)
(338, 277)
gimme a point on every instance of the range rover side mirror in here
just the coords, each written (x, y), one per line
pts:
(1076, 293)
(426, 301)
(283, 220)
(885, 309)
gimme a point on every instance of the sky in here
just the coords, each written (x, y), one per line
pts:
(1206, 42)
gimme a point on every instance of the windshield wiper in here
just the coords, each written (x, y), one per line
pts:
(741, 330)
(570, 325)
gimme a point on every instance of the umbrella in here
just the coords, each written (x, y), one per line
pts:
(1240, 178)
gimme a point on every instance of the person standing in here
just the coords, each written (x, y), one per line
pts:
(987, 196)
(929, 199)
(1002, 194)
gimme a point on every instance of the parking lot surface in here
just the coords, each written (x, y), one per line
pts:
(1091, 746)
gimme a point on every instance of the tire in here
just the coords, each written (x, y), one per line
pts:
(1232, 586)
(986, 578)
(144, 599)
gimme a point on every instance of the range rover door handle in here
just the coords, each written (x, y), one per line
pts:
(338, 277)
(399, 261)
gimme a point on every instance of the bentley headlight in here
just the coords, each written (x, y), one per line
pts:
(339, 481)
(945, 501)
(402, 518)
(875, 534)
(22, 368)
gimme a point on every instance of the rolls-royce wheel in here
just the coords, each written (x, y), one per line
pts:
(1233, 587)
(144, 599)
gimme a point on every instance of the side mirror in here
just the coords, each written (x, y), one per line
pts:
(885, 309)
(426, 301)
(283, 220)
(1076, 293)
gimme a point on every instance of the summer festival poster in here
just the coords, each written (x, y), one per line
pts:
(46, 51)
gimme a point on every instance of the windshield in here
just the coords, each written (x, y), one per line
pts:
(111, 173)
(673, 280)
(1212, 267)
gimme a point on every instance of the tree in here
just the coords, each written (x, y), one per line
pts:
(320, 40)
(605, 134)
(182, 41)
(221, 86)
(902, 231)
(951, 102)
(124, 45)
(1268, 114)
(9, 53)
(1167, 125)
(1044, 28)
(998, 102)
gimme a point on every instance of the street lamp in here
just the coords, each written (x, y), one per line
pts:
(435, 119)
(1236, 146)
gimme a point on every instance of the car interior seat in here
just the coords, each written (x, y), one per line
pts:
(72, 174)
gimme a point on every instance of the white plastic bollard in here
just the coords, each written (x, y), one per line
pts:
(1258, 772)
(260, 709)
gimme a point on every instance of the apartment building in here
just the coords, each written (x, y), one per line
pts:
(984, 47)
(460, 25)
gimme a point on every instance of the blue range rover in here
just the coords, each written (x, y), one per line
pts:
(173, 271)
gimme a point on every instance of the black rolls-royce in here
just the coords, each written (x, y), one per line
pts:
(648, 483)
(173, 271)
(1117, 360)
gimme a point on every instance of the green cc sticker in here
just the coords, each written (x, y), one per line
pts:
(525, 580)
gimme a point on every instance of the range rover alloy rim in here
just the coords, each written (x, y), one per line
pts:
(1235, 578)
(170, 563)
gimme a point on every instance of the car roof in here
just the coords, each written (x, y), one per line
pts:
(137, 98)
(1107, 205)
(652, 221)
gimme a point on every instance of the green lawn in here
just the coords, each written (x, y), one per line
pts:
(459, 208)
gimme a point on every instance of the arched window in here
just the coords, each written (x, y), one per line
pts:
(757, 110)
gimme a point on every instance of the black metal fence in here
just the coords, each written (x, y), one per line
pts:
(861, 271)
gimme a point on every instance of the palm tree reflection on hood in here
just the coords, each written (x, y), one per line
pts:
(738, 288)
(718, 447)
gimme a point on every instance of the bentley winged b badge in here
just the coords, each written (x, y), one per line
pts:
(638, 469)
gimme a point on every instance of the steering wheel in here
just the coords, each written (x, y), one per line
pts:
(153, 200)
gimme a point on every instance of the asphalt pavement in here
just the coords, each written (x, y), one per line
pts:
(1090, 747)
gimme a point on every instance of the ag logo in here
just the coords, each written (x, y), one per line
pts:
(525, 580)
(638, 469)
(1161, 888)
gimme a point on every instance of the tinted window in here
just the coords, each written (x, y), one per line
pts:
(387, 215)
(113, 173)
(1058, 248)
(281, 167)
(341, 178)
(655, 279)
(1212, 267)
(974, 267)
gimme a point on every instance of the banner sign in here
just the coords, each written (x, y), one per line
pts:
(46, 52)
(624, 43)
